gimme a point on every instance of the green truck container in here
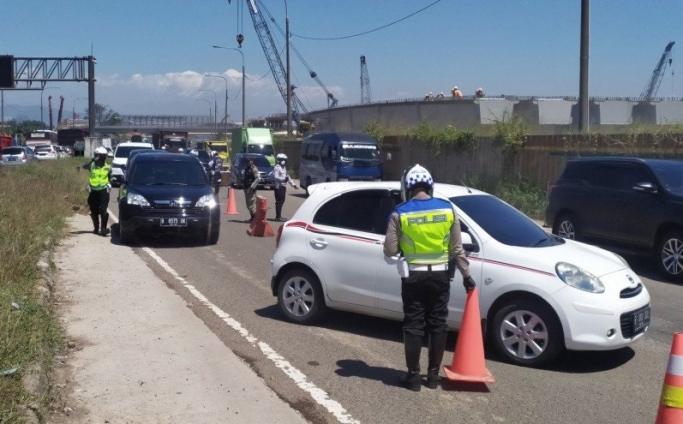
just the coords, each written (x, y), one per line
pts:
(253, 140)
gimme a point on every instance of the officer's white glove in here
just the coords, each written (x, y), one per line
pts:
(108, 188)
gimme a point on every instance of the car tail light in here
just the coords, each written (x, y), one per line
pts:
(279, 234)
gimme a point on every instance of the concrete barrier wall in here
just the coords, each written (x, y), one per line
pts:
(471, 112)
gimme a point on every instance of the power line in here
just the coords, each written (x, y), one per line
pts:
(365, 32)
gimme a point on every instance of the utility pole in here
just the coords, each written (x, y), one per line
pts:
(583, 73)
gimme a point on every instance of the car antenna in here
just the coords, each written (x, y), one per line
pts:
(465, 185)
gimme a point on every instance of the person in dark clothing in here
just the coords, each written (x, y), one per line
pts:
(250, 183)
(99, 188)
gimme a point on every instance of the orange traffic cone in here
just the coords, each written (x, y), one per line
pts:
(231, 209)
(671, 402)
(259, 226)
(468, 359)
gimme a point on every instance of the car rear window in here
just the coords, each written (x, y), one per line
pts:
(12, 151)
(124, 151)
(44, 149)
(167, 173)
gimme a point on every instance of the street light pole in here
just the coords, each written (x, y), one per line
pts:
(244, 121)
(73, 110)
(209, 102)
(215, 105)
(289, 82)
(226, 101)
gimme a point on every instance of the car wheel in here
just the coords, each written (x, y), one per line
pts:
(308, 184)
(566, 227)
(213, 237)
(300, 296)
(527, 332)
(125, 236)
(670, 255)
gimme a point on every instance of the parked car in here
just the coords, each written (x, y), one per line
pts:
(120, 161)
(629, 205)
(265, 169)
(46, 152)
(168, 194)
(539, 293)
(16, 155)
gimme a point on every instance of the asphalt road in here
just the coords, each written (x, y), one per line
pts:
(346, 368)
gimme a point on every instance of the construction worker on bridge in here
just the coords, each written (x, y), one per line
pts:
(457, 94)
(479, 93)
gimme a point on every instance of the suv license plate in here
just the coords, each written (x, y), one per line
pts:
(12, 158)
(173, 222)
(640, 320)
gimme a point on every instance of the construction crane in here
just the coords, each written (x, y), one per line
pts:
(656, 79)
(365, 92)
(274, 60)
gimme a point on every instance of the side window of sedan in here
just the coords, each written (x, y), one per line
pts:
(358, 211)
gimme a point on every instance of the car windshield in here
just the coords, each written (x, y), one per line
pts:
(670, 174)
(259, 161)
(124, 151)
(264, 149)
(503, 222)
(12, 151)
(203, 155)
(359, 151)
(219, 147)
(167, 173)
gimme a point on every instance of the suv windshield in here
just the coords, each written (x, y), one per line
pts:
(167, 173)
(503, 222)
(670, 174)
(124, 151)
(259, 161)
(264, 149)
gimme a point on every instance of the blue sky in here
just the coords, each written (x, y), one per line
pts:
(152, 54)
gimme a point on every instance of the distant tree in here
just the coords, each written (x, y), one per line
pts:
(14, 127)
(104, 115)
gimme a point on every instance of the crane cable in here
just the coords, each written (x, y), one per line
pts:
(369, 31)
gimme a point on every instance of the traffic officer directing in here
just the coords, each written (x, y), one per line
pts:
(425, 231)
(99, 187)
(281, 180)
(250, 182)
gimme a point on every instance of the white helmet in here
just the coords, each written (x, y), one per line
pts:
(214, 153)
(101, 151)
(281, 156)
(416, 176)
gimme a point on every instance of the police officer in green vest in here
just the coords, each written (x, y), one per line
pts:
(99, 188)
(425, 231)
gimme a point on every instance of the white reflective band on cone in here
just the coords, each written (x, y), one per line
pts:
(675, 366)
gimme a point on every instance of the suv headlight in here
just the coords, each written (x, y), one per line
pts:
(578, 278)
(208, 201)
(136, 199)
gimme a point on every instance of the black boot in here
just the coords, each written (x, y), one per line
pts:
(413, 346)
(278, 213)
(95, 223)
(437, 345)
(103, 224)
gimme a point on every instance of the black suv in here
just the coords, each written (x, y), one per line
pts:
(168, 193)
(626, 204)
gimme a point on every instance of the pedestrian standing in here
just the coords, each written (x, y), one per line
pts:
(98, 189)
(425, 232)
(250, 183)
(282, 178)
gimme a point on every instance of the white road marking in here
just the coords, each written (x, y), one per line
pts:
(318, 394)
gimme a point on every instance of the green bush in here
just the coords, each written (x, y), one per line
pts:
(448, 136)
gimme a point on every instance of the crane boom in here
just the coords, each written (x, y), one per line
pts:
(657, 75)
(274, 60)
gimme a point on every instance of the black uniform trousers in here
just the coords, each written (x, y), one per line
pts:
(425, 297)
(98, 200)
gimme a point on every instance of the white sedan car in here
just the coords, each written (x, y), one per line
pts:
(539, 294)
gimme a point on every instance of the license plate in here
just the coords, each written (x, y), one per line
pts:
(11, 158)
(640, 320)
(173, 222)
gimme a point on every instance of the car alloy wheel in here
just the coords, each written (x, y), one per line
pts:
(527, 332)
(670, 252)
(566, 227)
(300, 296)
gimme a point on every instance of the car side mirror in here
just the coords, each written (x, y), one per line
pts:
(467, 243)
(645, 187)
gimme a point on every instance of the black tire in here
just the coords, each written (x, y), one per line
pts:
(526, 332)
(567, 226)
(668, 255)
(212, 237)
(300, 296)
(125, 236)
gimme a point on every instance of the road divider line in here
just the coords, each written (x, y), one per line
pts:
(299, 378)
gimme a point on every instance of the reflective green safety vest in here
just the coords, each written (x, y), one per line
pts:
(99, 176)
(425, 230)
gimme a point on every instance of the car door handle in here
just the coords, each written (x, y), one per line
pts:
(318, 242)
